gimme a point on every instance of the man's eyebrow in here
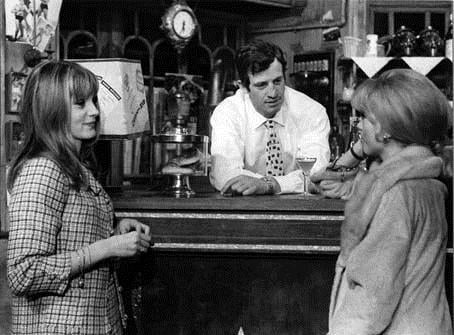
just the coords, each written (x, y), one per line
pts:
(260, 83)
(266, 81)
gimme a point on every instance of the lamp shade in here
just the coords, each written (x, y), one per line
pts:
(121, 96)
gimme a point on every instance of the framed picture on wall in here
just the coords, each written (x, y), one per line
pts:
(14, 88)
(32, 21)
(15, 138)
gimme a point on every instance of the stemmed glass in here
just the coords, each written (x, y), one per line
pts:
(305, 163)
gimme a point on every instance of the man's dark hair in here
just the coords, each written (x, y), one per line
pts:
(256, 57)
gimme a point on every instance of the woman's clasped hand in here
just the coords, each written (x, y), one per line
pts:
(131, 238)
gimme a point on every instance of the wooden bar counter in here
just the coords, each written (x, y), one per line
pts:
(212, 222)
(222, 265)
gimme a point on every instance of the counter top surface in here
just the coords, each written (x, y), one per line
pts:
(212, 222)
(213, 201)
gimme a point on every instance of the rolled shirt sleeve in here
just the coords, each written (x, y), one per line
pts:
(35, 212)
(227, 147)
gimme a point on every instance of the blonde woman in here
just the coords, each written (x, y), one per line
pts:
(390, 272)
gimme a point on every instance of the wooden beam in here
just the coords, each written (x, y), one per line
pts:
(3, 208)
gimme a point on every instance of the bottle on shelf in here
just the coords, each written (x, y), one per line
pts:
(355, 132)
(448, 39)
(336, 143)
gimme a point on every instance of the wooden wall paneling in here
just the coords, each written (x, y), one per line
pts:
(81, 38)
(308, 15)
(357, 22)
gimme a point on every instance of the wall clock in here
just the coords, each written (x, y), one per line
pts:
(179, 24)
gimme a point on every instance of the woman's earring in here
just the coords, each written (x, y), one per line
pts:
(383, 139)
(386, 138)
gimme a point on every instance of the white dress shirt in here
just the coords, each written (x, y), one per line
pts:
(238, 138)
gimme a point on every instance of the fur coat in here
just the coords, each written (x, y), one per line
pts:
(390, 272)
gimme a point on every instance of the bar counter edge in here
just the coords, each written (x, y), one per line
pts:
(210, 221)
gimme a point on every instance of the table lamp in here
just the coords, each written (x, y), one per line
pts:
(123, 106)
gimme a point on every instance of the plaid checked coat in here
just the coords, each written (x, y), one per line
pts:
(48, 220)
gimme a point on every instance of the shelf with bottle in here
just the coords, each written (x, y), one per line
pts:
(336, 143)
(372, 66)
(313, 73)
(355, 70)
(312, 69)
(311, 66)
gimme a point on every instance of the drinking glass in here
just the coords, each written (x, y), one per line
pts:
(305, 163)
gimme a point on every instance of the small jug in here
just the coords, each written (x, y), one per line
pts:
(429, 43)
(372, 47)
(403, 42)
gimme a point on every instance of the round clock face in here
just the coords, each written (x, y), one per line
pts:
(183, 24)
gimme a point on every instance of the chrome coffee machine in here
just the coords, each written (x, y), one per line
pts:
(178, 151)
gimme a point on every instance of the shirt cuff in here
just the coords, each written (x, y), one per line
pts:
(290, 183)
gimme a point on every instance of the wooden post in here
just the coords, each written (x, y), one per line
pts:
(3, 208)
(116, 165)
(357, 14)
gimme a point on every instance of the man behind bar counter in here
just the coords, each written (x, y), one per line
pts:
(257, 131)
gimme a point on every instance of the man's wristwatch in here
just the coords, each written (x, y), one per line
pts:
(269, 185)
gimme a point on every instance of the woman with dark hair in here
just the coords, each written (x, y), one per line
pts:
(62, 237)
(258, 132)
(390, 271)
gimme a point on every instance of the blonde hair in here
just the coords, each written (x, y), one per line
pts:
(409, 107)
(51, 89)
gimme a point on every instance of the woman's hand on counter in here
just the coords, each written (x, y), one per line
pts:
(334, 183)
(336, 189)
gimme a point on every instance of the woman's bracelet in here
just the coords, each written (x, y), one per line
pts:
(81, 260)
(89, 257)
(354, 154)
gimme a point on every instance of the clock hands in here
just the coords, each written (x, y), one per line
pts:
(179, 24)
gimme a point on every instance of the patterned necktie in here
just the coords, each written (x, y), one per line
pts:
(274, 161)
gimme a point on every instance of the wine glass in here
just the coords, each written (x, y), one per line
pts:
(305, 163)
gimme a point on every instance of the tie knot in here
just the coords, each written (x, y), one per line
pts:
(269, 124)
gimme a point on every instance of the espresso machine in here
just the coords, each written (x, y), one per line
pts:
(179, 152)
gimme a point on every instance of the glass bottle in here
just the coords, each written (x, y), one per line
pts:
(336, 143)
(355, 132)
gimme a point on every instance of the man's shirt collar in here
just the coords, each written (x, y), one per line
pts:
(258, 119)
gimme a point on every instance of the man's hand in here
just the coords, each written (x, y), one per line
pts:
(247, 185)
